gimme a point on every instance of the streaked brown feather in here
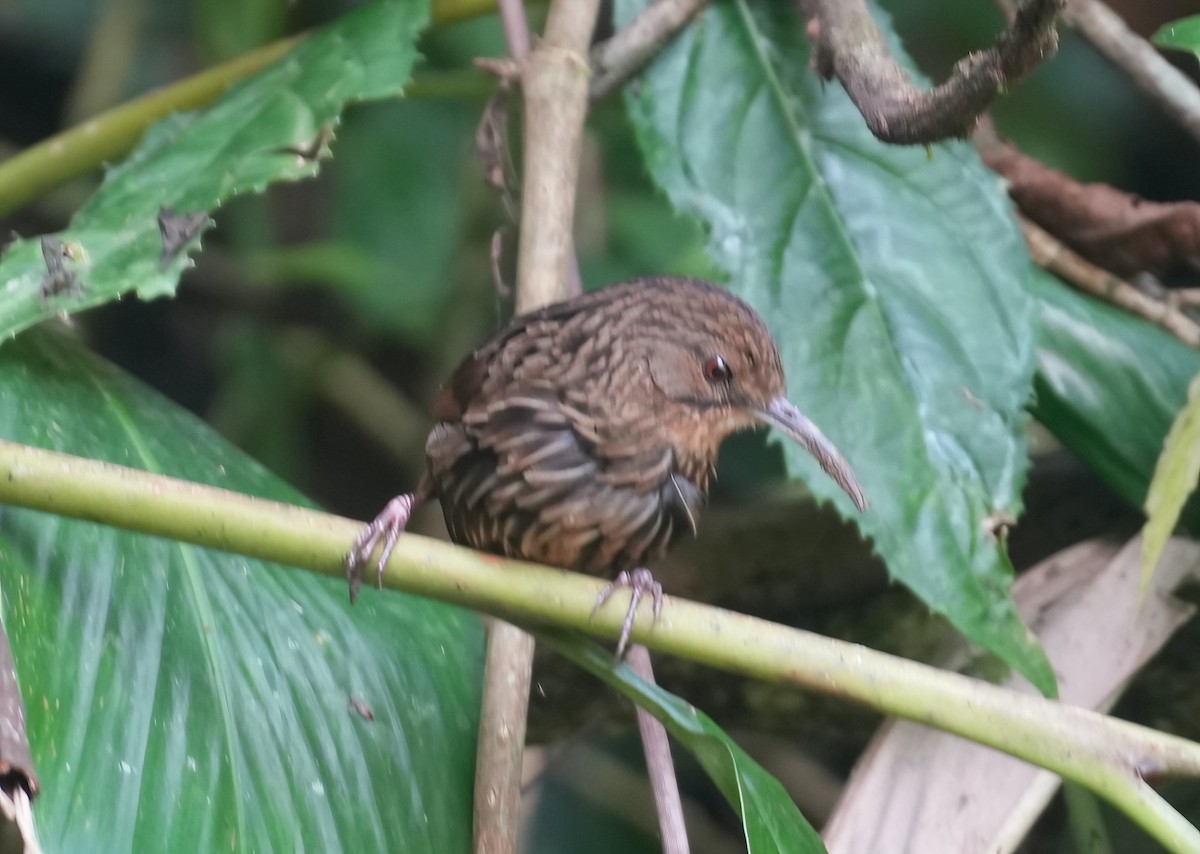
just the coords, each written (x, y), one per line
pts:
(584, 434)
(573, 437)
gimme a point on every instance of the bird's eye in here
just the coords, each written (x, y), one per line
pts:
(717, 370)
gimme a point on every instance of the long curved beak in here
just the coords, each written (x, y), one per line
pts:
(784, 415)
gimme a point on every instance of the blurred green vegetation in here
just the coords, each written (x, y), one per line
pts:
(386, 252)
(384, 257)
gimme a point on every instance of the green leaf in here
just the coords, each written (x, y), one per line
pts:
(770, 820)
(1183, 34)
(194, 162)
(1108, 384)
(893, 280)
(186, 700)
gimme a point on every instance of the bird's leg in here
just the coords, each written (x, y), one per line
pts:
(640, 582)
(386, 528)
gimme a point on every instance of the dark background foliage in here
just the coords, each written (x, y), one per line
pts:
(310, 296)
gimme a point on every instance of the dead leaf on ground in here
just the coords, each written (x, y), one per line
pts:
(912, 780)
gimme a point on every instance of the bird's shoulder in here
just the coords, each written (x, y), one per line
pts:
(555, 353)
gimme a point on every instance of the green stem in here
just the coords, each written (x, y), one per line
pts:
(1107, 755)
(112, 134)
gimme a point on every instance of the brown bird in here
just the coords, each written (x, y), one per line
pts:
(584, 434)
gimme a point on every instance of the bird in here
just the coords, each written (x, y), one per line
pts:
(584, 435)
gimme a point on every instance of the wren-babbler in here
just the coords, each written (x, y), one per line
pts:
(584, 434)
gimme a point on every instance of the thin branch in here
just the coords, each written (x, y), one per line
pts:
(555, 84)
(628, 51)
(507, 676)
(1184, 296)
(663, 783)
(1049, 253)
(1139, 59)
(849, 45)
(508, 664)
(555, 89)
(1107, 755)
(516, 28)
(112, 134)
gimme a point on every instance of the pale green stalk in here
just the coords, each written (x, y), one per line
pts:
(1107, 755)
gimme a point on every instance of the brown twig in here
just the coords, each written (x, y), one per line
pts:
(1050, 254)
(508, 667)
(555, 84)
(554, 79)
(1116, 230)
(1139, 59)
(849, 45)
(516, 29)
(1184, 296)
(507, 675)
(628, 51)
(659, 766)
(499, 172)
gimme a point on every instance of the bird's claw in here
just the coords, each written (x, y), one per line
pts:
(386, 528)
(639, 582)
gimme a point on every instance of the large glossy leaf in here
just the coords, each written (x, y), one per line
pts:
(894, 281)
(770, 820)
(1108, 384)
(1183, 34)
(186, 700)
(194, 162)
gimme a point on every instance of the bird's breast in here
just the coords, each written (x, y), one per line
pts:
(532, 478)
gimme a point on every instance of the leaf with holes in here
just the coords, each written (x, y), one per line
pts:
(193, 162)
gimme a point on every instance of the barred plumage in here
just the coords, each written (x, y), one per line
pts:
(583, 435)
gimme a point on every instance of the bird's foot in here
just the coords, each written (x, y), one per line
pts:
(640, 582)
(386, 529)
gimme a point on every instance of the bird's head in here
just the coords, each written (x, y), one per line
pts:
(718, 368)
